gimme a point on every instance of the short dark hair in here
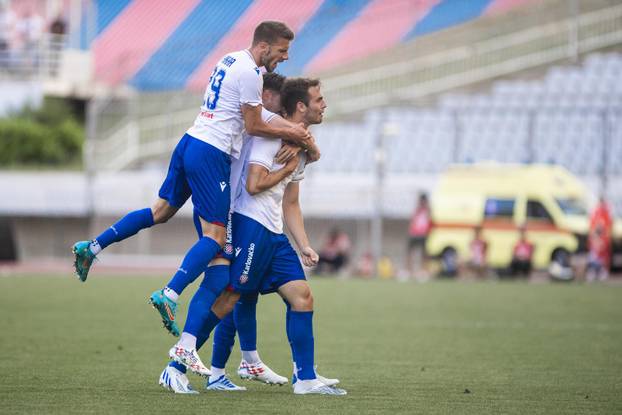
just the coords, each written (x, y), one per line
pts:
(270, 31)
(296, 90)
(273, 81)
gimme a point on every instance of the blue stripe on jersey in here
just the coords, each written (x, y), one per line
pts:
(322, 27)
(185, 49)
(107, 11)
(448, 13)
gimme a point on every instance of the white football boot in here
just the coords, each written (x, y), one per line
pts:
(326, 381)
(222, 383)
(314, 386)
(190, 359)
(173, 380)
(260, 372)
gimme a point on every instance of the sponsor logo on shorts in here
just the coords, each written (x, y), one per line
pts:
(249, 259)
(237, 251)
(222, 186)
(229, 230)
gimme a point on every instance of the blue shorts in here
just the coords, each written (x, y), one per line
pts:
(264, 260)
(201, 170)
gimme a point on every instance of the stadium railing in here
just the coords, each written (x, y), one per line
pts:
(40, 60)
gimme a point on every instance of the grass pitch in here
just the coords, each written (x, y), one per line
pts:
(441, 347)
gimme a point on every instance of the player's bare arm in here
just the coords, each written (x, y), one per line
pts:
(292, 215)
(260, 179)
(254, 125)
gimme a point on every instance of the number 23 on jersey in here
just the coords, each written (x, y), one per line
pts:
(213, 92)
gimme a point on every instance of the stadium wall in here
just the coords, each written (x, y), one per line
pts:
(48, 212)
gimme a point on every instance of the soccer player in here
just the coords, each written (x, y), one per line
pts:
(265, 260)
(200, 164)
(173, 376)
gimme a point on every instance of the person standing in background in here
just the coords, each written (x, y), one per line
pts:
(58, 29)
(29, 32)
(601, 227)
(418, 231)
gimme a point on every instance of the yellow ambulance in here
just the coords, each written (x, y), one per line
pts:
(547, 200)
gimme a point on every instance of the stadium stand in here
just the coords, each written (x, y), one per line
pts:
(570, 118)
(137, 40)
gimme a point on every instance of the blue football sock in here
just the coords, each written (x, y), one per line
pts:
(194, 264)
(301, 327)
(178, 366)
(211, 321)
(288, 315)
(245, 317)
(200, 320)
(224, 339)
(127, 226)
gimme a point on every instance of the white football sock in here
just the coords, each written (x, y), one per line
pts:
(172, 295)
(187, 341)
(216, 373)
(94, 247)
(251, 356)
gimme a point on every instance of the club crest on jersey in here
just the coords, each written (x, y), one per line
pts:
(243, 278)
(222, 186)
(228, 249)
(237, 251)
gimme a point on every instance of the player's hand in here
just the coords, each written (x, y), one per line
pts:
(309, 257)
(292, 164)
(299, 134)
(286, 153)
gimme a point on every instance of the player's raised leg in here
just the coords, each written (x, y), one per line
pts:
(207, 171)
(172, 195)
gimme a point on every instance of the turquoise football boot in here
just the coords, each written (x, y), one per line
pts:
(167, 309)
(84, 259)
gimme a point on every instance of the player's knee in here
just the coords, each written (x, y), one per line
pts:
(225, 303)
(215, 232)
(304, 301)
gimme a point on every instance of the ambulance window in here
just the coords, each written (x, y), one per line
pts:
(536, 210)
(499, 208)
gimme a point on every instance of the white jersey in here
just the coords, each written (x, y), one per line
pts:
(237, 165)
(236, 80)
(266, 207)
